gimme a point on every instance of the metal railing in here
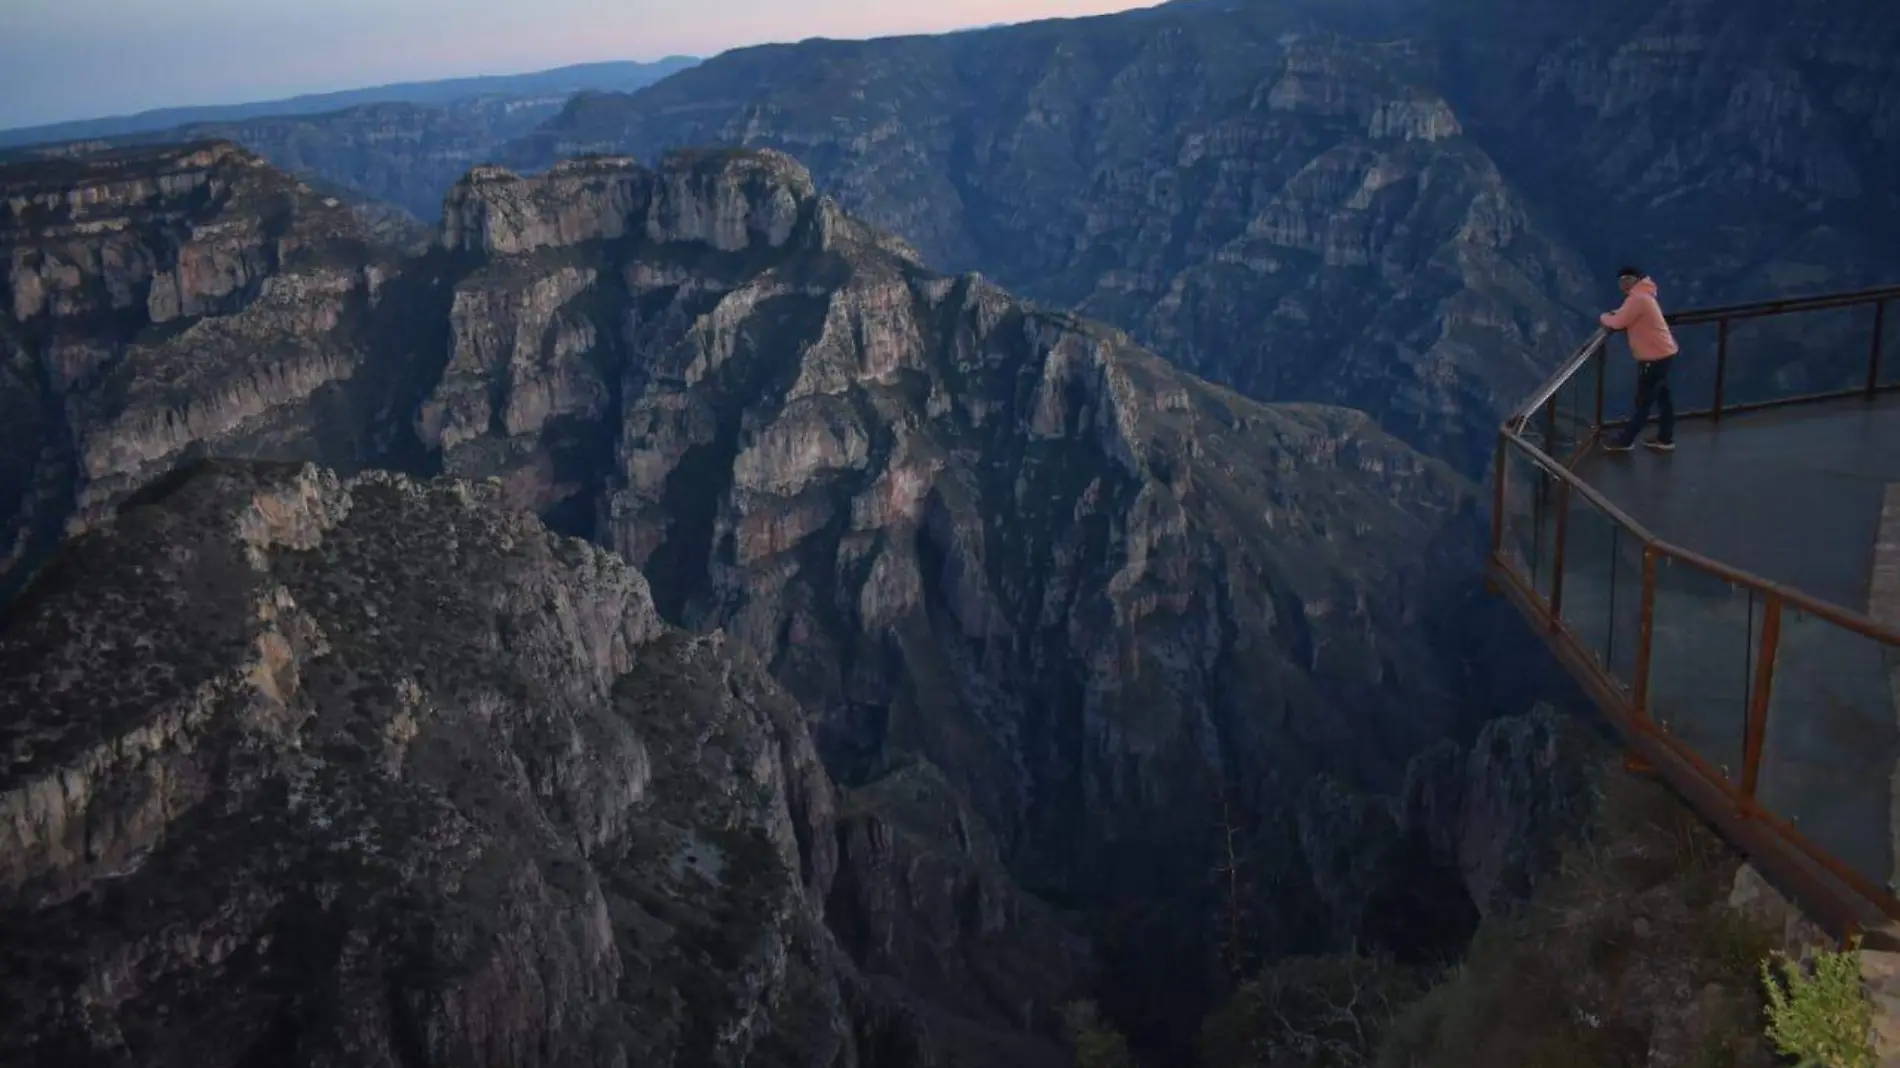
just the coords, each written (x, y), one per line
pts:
(1723, 681)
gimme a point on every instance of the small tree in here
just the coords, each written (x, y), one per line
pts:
(1314, 1012)
(1232, 887)
(1823, 1018)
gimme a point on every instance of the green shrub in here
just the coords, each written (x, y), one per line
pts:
(1821, 1016)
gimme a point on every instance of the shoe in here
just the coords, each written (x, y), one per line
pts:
(1616, 446)
(1660, 446)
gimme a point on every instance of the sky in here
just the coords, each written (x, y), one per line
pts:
(74, 59)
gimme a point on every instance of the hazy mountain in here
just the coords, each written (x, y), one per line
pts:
(561, 83)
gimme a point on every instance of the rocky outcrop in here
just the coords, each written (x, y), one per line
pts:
(1469, 834)
(306, 768)
(164, 301)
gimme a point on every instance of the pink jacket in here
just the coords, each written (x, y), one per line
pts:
(1642, 318)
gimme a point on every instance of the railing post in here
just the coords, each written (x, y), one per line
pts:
(1721, 366)
(1757, 726)
(1645, 631)
(1557, 555)
(1550, 425)
(1602, 363)
(1873, 354)
(1497, 501)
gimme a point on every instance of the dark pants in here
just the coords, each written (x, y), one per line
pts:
(1652, 389)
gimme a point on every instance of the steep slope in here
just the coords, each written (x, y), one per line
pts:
(1087, 588)
(307, 771)
(1049, 602)
(1740, 150)
(1266, 200)
(160, 301)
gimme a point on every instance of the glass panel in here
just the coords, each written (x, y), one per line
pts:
(1626, 611)
(1780, 356)
(1890, 345)
(1529, 521)
(1603, 588)
(1832, 740)
(1704, 636)
(1565, 423)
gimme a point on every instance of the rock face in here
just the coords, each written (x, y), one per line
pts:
(1731, 150)
(1041, 596)
(1085, 589)
(1268, 202)
(322, 771)
(191, 298)
(1397, 205)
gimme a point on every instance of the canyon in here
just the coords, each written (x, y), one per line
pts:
(1039, 607)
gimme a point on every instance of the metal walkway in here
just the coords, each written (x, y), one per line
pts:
(1728, 604)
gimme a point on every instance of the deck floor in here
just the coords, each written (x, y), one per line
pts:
(1795, 495)
(1791, 494)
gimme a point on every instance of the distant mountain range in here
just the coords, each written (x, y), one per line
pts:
(618, 76)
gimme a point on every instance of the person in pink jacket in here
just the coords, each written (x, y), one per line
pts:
(1641, 320)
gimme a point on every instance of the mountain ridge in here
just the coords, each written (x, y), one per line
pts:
(559, 81)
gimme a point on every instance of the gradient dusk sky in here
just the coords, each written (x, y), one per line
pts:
(69, 59)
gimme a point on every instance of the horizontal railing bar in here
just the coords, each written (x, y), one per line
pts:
(1844, 618)
(1564, 371)
(1787, 306)
(1590, 493)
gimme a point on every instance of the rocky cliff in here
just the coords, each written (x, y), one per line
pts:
(1086, 589)
(1042, 596)
(194, 298)
(318, 771)
(1394, 205)
(1733, 150)
(1266, 200)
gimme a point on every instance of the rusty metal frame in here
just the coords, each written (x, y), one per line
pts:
(1841, 897)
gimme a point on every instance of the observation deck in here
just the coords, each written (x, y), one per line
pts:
(1734, 606)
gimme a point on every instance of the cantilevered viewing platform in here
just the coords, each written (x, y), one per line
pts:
(1734, 606)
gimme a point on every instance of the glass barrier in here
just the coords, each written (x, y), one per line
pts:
(1530, 542)
(1796, 355)
(1603, 588)
(1831, 742)
(1705, 632)
(1889, 371)
(1564, 425)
